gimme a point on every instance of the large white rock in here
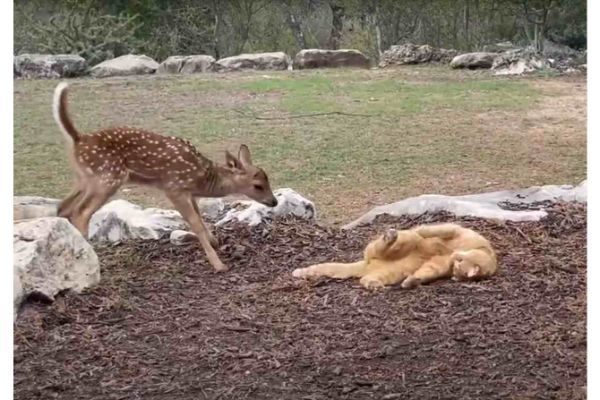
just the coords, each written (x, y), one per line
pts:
(179, 237)
(484, 205)
(409, 53)
(212, 208)
(120, 220)
(48, 65)
(186, 64)
(473, 60)
(50, 256)
(25, 207)
(129, 64)
(518, 62)
(289, 203)
(259, 61)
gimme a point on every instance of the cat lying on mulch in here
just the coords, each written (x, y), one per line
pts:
(419, 255)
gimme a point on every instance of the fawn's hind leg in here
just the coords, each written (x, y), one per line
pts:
(95, 195)
(332, 270)
(435, 268)
(65, 208)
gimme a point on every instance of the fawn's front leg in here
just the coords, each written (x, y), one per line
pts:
(184, 203)
(211, 237)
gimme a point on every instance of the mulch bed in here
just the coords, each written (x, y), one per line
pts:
(162, 325)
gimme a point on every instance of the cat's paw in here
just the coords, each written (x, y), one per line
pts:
(371, 283)
(302, 272)
(411, 282)
(390, 236)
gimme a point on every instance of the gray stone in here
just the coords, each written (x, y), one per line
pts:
(212, 208)
(257, 61)
(484, 205)
(318, 58)
(518, 62)
(49, 65)
(26, 207)
(50, 256)
(129, 64)
(121, 220)
(289, 203)
(179, 237)
(473, 60)
(409, 53)
(186, 64)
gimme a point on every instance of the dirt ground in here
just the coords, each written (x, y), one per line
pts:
(162, 325)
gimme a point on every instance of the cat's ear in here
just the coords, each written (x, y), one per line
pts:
(474, 271)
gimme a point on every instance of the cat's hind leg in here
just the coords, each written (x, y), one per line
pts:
(435, 268)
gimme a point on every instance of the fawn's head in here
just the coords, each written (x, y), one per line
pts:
(248, 179)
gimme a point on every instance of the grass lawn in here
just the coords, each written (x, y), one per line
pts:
(418, 129)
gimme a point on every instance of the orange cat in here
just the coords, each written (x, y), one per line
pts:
(419, 255)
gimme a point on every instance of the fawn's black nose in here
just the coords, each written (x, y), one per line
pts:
(273, 203)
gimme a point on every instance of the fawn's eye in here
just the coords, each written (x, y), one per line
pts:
(258, 187)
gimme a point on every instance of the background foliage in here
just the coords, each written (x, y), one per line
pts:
(103, 29)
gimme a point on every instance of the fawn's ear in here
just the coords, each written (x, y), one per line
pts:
(232, 162)
(244, 155)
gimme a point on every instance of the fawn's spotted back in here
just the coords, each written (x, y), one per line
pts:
(113, 154)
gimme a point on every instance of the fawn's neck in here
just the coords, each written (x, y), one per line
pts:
(218, 182)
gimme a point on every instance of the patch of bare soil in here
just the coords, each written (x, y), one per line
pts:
(162, 325)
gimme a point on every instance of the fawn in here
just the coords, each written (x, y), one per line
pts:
(103, 161)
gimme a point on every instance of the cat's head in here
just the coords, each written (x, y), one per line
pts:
(464, 269)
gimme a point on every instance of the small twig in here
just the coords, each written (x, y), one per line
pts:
(302, 115)
(523, 234)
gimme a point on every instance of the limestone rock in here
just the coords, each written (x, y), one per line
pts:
(179, 237)
(49, 65)
(409, 53)
(484, 205)
(50, 256)
(290, 203)
(26, 207)
(129, 64)
(318, 58)
(120, 220)
(473, 60)
(186, 64)
(257, 61)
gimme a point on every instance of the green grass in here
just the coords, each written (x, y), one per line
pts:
(426, 129)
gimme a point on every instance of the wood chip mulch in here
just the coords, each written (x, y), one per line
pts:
(162, 325)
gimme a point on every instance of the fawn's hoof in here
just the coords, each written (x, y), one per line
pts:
(390, 236)
(219, 266)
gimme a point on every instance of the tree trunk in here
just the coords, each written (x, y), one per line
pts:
(216, 31)
(296, 27)
(466, 23)
(377, 29)
(337, 25)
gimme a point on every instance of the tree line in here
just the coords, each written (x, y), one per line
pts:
(98, 30)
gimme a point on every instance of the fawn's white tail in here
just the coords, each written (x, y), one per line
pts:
(59, 110)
